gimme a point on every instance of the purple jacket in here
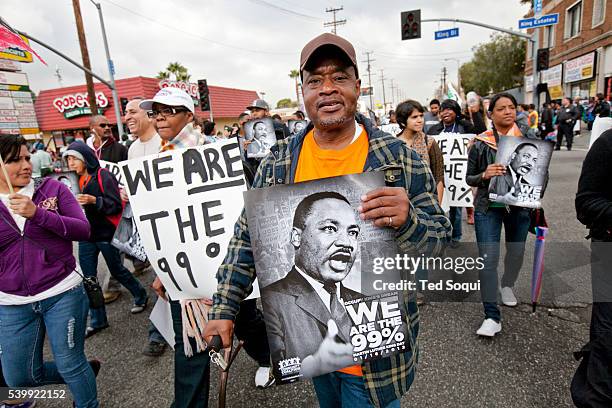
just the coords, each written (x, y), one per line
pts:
(32, 264)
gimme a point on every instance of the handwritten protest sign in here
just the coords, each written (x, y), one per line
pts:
(454, 147)
(115, 170)
(186, 203)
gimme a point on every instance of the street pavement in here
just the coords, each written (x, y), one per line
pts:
(529, 365)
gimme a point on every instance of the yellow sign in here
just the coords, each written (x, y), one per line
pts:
(556, 92)
(29, 131)
(16, 53)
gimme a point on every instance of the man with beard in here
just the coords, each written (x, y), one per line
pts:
(102, 141)
(340, 141)
(300, 308)
(523, 160)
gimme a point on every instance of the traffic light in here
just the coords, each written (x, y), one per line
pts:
(411, 24)
(542, 59)
(204, 95)
(124, 102)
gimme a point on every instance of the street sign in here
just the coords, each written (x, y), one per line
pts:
(532, 22)
(537, 8)
(442, 34)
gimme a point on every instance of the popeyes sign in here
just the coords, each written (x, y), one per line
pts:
(190, 88)
(77, 104)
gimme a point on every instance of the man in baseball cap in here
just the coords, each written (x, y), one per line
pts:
(172, 111)
(407, 205)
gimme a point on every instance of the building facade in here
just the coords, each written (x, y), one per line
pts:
(580, 46)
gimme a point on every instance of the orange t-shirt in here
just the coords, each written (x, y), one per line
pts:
(316, 163)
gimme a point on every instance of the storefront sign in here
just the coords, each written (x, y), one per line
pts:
(85, 110)
(16, 53)
(13, 78)
(529, 83)
(78, 102)
(6, 65)
(553, 78)
(580, 68)
(6, 103)
(190, 88)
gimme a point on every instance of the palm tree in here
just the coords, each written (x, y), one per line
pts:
(177, 69)
(295, 74)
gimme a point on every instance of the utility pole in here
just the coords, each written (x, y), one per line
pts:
(393, 99)
(91, 95)
(111, 72)
(382, 79)
(368, 61)
(335, 22)
(444, 89)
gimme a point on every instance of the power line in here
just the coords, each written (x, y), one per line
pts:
(382, 79)
(174, 28)
(335, 22)
(288, 11)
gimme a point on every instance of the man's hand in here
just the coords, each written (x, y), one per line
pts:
(22, 205)
(124, 195)
(330, 356)
(158, 287)
(494, 170)
(85, 199)
(222, 328)
(387, 206)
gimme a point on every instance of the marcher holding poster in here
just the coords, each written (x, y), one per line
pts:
(311, 287)
(340, 141)
(454, 147)
(526, 162)
(491, 216)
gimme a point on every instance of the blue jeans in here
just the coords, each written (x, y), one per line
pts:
(22, 335)
(340, 390)
(454, 216)
(88, 259)
(488, 234)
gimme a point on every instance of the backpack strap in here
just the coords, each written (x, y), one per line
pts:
(100, 179)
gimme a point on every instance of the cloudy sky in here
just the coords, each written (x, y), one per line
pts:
(253, 44)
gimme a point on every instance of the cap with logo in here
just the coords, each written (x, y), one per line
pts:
(260, 104)
(169, 96)
(327, 39)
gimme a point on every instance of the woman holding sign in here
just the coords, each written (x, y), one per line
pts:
(489, 216)
(102, 204)
(41, 293)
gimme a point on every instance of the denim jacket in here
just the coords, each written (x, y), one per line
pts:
(426, 231)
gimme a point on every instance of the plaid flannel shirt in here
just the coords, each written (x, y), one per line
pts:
(427, 230)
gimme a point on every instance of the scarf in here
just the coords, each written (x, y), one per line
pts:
(488, 137)
(420, 146)
(187, 137)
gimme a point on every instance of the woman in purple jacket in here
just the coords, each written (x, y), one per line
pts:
(40, 292)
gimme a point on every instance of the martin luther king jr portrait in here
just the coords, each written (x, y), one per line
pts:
(304, 311)
(523, 160)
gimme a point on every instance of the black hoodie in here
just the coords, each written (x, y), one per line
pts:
(108, 200)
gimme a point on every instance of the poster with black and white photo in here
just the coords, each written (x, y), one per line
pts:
(313, 256)
(391, 128)
(296, 126)
(454, 147)
(526, 162)
(69, 178)
(185, 204)
(260, 136)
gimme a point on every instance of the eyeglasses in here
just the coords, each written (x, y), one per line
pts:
(165, 112)
(105, 125)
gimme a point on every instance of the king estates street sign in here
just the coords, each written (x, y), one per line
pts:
(549, 19)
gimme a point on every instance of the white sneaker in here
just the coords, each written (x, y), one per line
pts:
(507, 296)
(489, 328)
(263, 377)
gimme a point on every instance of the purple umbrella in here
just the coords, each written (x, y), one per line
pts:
(538, 266)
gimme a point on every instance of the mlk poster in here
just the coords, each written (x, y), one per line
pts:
(454, 147)
(526, 161)
(260, 137)
(185, 203)
(315, 259)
